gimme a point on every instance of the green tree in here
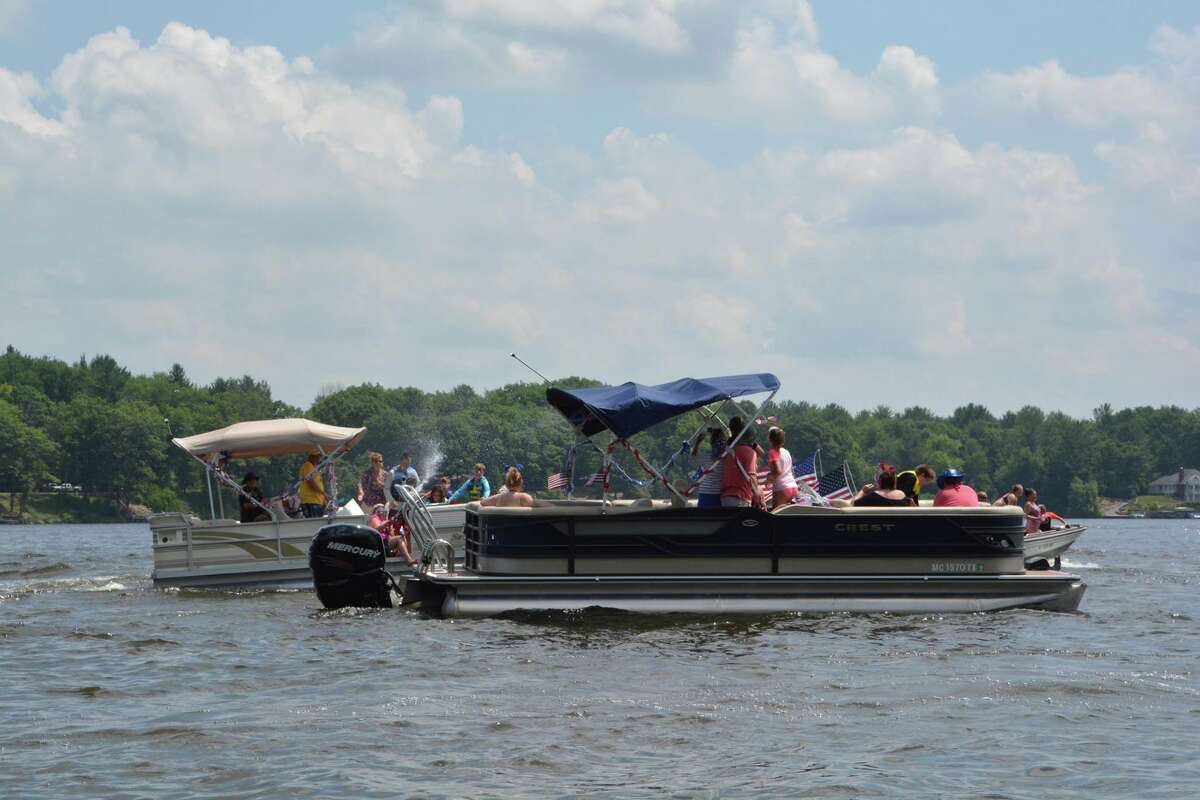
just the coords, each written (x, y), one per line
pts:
(26, 454)
(1084, 498)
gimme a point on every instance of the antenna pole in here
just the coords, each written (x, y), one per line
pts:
(531, 369)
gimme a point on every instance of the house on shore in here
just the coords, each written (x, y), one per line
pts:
(1183, 485)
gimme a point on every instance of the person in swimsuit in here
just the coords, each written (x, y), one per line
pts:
(1033, 512)
(515, 497)
(1012, 497)
(779, 470)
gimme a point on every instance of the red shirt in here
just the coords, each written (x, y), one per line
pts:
(961, 495)
(733, 482)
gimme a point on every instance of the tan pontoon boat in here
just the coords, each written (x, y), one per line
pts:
(225, 553)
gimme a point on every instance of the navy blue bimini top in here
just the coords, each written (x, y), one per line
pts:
(633, 407)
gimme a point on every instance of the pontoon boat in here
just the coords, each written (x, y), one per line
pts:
(225, 553)
(655, 555)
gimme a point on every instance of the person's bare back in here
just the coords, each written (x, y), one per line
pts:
(509, 499)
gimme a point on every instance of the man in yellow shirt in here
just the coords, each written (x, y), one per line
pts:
(312, 488)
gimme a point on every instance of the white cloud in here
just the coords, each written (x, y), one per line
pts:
(757, 61)
(198, 201)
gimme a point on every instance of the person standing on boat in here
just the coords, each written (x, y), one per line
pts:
(779, 468)
(1033, 512)
(251, 512)
(403, 471)
(912, 481)
(312, 488)
(708, 493)
(372, 486)
(476, 487)
(739, 471)
(953, 492)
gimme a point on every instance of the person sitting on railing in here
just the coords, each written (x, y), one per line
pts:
(396, 536)
(515, 497)
(250, 511)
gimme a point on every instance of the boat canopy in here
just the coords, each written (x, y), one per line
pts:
(271, 437)
(633, 407)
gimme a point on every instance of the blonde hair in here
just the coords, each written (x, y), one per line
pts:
(480, 467)
(513, 479)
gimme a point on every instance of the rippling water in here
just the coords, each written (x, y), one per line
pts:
(109, 688)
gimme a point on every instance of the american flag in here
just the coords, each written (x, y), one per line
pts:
(766, 486)
(806, 471)
(765, 420)
(556, 481)
(834, 485)
(594, 478)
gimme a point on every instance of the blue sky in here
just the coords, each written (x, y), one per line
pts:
(713, 186)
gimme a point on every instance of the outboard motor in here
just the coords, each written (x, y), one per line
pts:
(348, 564)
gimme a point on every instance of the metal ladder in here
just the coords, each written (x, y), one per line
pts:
(437, 555)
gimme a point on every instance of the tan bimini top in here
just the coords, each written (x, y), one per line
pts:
(271, 437)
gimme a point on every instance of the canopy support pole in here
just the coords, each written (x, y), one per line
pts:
(212, 509)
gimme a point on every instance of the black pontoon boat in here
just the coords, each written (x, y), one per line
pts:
(664, 556)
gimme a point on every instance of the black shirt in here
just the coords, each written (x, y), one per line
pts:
(251, 512)
(876, 499)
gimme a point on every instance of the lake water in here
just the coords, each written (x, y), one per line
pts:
(109, 688)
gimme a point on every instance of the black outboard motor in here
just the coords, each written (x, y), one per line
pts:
(348, 564)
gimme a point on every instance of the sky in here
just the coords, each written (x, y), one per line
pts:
(930, 203)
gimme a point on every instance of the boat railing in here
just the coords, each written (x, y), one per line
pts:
(419, 520)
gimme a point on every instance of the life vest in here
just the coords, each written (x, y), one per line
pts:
(475, 491)
(916, 483)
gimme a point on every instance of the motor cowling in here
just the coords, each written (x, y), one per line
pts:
(349, 567)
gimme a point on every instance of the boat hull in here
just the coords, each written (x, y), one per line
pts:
(481, 596)
(1049, 545)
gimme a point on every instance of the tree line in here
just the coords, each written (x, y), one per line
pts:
(94, 424)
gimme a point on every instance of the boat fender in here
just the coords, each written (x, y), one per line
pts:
(349, 567)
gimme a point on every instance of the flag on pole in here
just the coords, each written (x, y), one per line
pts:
(834, 485)
(766, 486)
(806, 471)
(556, 481)
(771, 420)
